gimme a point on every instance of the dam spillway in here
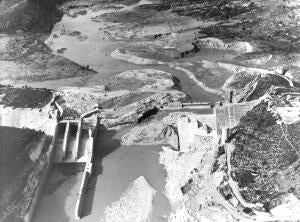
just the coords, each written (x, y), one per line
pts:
(74, 144)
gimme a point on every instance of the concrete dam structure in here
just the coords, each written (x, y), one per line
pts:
(37, 119)
(229, 115)
(193, 105)
(74, 144)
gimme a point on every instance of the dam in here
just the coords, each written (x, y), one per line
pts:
(73, 144)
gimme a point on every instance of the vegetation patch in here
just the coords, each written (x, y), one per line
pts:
(264, 84)
(24, 97)
(263, 155)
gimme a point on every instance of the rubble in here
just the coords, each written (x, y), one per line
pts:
(155, 132)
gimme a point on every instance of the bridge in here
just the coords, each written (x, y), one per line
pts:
(193, 105)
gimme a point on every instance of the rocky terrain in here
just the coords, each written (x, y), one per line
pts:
(130, 59)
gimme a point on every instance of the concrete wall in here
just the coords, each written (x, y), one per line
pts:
(87, 114)
(224, 135)
(195, 106)
(81, 194)
(37, 194)
(26, 118)
(77, 142)
(89, 150)
(229, 115)
(86, 174)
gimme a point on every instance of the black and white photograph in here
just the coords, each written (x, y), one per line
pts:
(149, 110)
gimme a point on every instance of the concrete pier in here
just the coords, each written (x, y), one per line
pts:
(81, 194)
(89, 148)
(77, 142)
(224, 135)
(66, 138)
(86, 174)
(194, 105)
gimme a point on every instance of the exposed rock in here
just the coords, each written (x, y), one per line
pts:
(132, 113)
(25, 59)
(179, 166)
(154, 80)
(242, 47)
(190, 132)
(180, 215)
(153, 133)
(214, 214)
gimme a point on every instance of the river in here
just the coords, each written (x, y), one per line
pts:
(115, 166)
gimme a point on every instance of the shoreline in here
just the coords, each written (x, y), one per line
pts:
(116, 54)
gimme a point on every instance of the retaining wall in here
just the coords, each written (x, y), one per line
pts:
(37, 119)
(86, 174)
(81, 194)
(229, 115)
(37, 194)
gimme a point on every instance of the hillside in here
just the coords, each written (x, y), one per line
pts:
(266, 157)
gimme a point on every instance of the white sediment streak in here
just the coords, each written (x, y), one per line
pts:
(135, 205)
(116, 54)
